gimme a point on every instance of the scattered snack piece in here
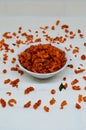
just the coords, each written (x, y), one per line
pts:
(84, 98)
(19, 29)
(5, 57)
(79, 71)
(20, 72)
(14, 83)
(28, 90)
(66, 31)
(3, 102)
(83, 57)
(8, 93)
(85, 44)
(70, 66)
(12, 102)
(6, 81)
(66, 85)
(57, 22)
(53, 28)
(74, 81)
(53, 91)
(85, 88)
(37, 104)
(75, 50)
(78, 106)
(14, 34)
(81, 35)
(14, 69)
(67, 49)
(17, 69)
(7, 36)
(81, 65)
(84, 77)
(27, 105)
(76, 87)
(63, 103)
(12, 50)
(13, 60)
(4, 71)
(52, 101)
(64, 78)
(46, 108)
(65, 26)
(80, 98)
(44, 28)
(79, 31)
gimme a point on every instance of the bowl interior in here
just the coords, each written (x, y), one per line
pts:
(44, 75)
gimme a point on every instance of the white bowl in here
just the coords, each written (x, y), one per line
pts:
(40, 75)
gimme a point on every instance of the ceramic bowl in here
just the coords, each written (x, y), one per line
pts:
(43, 75)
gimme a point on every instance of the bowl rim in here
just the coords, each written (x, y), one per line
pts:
(42, 74)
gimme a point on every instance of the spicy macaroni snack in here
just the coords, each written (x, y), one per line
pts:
(42, 58)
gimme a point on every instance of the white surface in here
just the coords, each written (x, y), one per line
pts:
(18, 118)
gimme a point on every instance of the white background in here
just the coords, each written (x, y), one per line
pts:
(17, 118)
(43, 7)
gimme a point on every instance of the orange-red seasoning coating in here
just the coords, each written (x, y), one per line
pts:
(42, 58)
(53, 91)
(85, 88)
(63, 103)
(83, 57)
(80, 98)
(28, 90)
(38, 40)
(79, 31)
(4, 71)
(12, 102)
(6, 35)
(14, 83)
(3, 102)
(84, 98)
(8, 93)
(85, 44)
(70, 66)
(52, 101)
(84, 77)
(78, 106)
(17, 69)
(37, 104)
(6, 81)
(65, 26)
(27, 105)
(46, 109)
(79, 71)
(53, 28)
(12, 50)
(76, 87)
(74, 81)
(75, 50)
(65, 85)
(14, 69)
(13, 60)
(81, 35)
(64, 78)
(57, 22)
